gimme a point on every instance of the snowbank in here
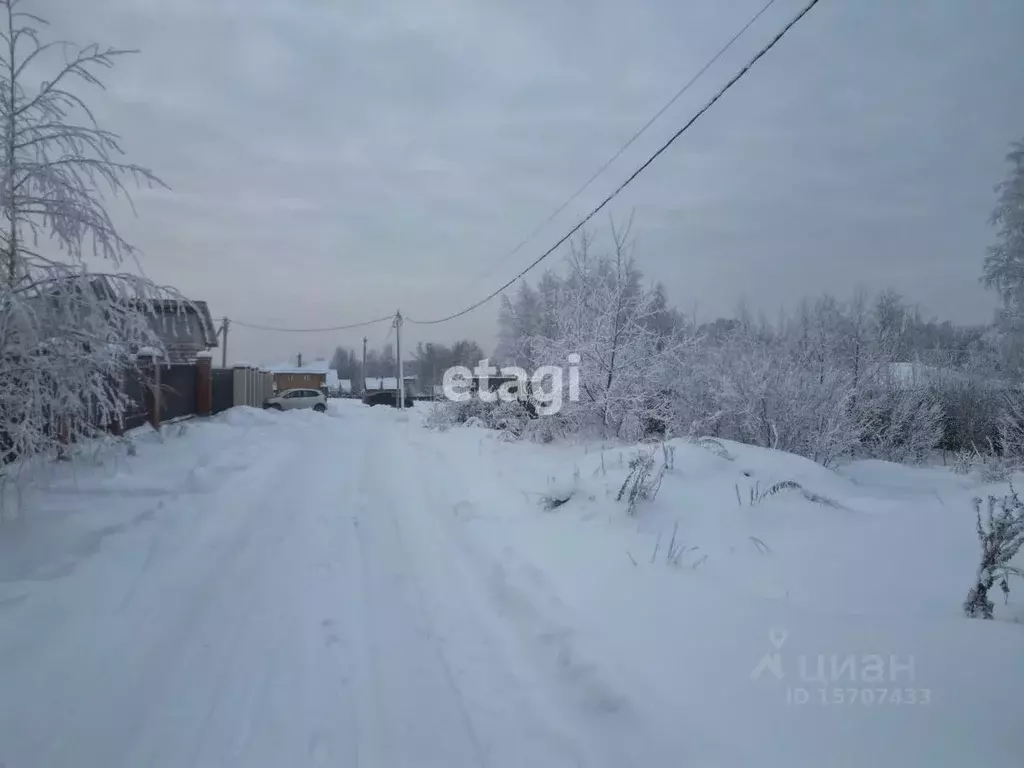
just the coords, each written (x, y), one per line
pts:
(849, 569)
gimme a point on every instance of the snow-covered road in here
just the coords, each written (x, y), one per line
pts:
(314, 610)
(297, 590)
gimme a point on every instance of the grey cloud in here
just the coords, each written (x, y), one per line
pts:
(330, 162)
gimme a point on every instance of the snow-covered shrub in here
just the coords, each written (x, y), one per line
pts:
(902, 425)
(512, 419)
(642, 482)
(1001, 534)
(715, 446)
(449, 413)
(545, 429)
(970, 414)
(993, 468)
(509, 417)
(963, 461)
(764, 399)
(1010, 425)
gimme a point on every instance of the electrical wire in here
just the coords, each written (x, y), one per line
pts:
(736, 78)
(678, 95)
(258, 327)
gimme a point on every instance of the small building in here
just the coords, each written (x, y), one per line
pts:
(380, 384)
(312, 375)
(389, 384)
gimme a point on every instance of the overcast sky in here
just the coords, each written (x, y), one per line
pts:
(334, 160)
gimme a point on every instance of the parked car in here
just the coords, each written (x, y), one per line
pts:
(293, 399)
(387, 397)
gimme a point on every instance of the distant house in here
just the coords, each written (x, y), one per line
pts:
(380, 384)
(313, 375)
(345, 386)
(388, 383)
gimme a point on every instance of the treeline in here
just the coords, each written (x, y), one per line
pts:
(427, 363)
(866, 375)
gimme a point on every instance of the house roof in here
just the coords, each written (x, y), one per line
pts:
(291, 368)
(182, 324)
(381, 382)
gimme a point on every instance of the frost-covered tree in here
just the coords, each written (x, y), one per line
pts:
(1004, 264)
(606, 316)
(67, 336)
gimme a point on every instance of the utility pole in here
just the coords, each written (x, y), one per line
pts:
(224, 340)
(398, 354)
(362, 384)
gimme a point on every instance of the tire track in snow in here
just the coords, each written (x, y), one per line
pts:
(512, 627)
(573, 666)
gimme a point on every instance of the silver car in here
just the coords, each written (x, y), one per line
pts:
(292, 399)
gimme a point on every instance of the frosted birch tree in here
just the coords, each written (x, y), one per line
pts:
(610, 320)
(67, 335)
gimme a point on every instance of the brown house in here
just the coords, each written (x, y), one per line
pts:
(310, 376)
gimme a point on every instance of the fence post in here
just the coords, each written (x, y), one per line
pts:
(239, 384)
(204, 384)
(268, 386)
(155, 399)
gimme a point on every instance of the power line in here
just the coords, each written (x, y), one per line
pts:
(311, 330)
(736, 78)
(628, 144)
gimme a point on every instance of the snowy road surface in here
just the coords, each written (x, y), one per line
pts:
(311, 611)
(302, 590)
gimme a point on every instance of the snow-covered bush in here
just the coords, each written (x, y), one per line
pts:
(1010, 425)
(902, 425)
(764, 397)
(1001, 534)
(514, 419)
(642, 481)
(970, 415)
(828, 381)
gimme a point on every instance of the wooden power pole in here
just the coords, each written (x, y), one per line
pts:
(362, 384)
(398, 354)
(224, 341)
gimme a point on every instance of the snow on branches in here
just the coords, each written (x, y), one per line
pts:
(67, 335)
(818, 383)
